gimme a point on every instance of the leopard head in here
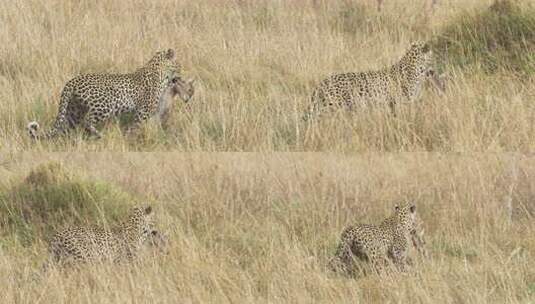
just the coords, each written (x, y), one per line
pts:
(165, 65)
(406, 217)
(419, 58)
(140, 225)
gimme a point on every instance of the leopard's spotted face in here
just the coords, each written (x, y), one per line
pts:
(140, 224)
(418, 58)
(164, 62)
(405, 217)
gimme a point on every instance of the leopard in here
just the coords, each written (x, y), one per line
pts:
(184, 89)
(380, 245)
(90, 100)
(94, 244)
(400, 82)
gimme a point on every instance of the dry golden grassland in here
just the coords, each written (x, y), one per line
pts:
(257, 62)
(254, 228)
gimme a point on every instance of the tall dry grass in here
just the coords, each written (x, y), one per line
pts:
(253, 228)
(257, 63)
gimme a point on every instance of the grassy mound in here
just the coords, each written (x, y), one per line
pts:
(353, 18)
(51, 197)
(499, 38)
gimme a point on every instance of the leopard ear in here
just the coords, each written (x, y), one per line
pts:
(170, 54)
(148, 210)
(396, 208)
(412, 208)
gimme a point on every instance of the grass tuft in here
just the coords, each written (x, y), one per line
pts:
(51, 196)
(501, 37)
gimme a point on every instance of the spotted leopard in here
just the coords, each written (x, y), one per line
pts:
(381, 244)
(401, 81)
(91, 100)
(97, 244)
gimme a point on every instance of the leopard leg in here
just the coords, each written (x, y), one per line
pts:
(89, 124)
(399, 257)
(342, 260)
(377, 262)
(94, 117)
(75, 113)
(139, 117)
(90, 128)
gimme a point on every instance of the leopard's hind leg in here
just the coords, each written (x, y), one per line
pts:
(93, 118)
(342, 261)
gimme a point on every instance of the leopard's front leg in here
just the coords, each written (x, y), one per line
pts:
(398, 253)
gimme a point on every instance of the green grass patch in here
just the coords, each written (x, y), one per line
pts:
(531, 288)
(50, 197)
(499, 38)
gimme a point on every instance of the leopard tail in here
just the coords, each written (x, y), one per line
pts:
(61, 124)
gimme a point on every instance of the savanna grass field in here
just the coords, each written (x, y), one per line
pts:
(261, 227)
(252, 228)
(257, 62)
